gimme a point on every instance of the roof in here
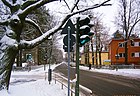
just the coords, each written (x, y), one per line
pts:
(119, 40)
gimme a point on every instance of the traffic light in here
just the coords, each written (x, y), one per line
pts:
(84, 31)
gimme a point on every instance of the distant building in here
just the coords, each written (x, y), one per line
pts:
(85, 58)
(116, 48)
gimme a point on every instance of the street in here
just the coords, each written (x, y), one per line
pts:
(104, 84)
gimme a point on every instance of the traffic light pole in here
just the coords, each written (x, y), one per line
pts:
(69, 61)
(77, 58)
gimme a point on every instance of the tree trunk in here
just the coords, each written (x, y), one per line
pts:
(126, 53)
(100, 64)
(92, 52)
(8, 54)
(20, 58)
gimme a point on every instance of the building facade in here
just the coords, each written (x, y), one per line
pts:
(87, 59)
(117, 51)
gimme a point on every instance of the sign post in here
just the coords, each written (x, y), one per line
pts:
(69, 61)
(69, 41)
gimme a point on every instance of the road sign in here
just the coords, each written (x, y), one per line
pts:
(65, 29)
(68, 29)
(72, 40)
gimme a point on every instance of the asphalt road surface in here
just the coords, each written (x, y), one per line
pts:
(104, 84)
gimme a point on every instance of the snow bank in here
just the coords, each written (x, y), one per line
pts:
(24, 83)
(36, 88)
(132, 73)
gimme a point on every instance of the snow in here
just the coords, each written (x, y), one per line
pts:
(131, 73)
(33, 83)
(24, 83)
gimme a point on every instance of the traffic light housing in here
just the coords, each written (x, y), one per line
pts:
(84, 31)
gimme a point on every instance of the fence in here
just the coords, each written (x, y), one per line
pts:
(63, 81)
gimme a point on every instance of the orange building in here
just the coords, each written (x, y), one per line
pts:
(116, 46)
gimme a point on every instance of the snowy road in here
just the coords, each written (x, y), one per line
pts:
(105, 83)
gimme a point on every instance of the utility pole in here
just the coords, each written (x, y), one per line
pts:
(82, 37)
(77, 58)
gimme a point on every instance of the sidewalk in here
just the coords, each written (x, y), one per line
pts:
(131, 73)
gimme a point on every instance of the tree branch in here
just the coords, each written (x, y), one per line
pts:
(33, 6)
(67, 4)
(5, 22)
(7, 3)
(129, 15)
(75, 5)
(133, 27)
(28, 3)
(92, 7)
(34, 24)
(31, 44)
(37, 41)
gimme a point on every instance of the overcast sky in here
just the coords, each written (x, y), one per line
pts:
(109, 15)
(108, 12)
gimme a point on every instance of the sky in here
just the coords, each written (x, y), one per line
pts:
(32, 83)
(59, 9)
(108, 12)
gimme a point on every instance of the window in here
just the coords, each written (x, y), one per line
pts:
(122, 55)
(135, 44)
(121, 44)
(133, 54)
(136, 54)
(132, 43)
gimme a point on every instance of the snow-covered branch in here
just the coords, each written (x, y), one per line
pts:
(92, 7)
(7, 3)
(33, 6)
(28, 3)
(3, 22)
(37, 41)
(34, 24)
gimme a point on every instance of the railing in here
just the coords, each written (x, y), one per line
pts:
(63, 81)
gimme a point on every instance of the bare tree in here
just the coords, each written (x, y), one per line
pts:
(127, 19)
(101, 37)
(11, 42)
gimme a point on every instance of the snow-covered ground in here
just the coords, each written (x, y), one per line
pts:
(24, 83)
(132, 73)
(33, 83)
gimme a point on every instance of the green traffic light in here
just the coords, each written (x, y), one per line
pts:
(84, 31)
(84, 40)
